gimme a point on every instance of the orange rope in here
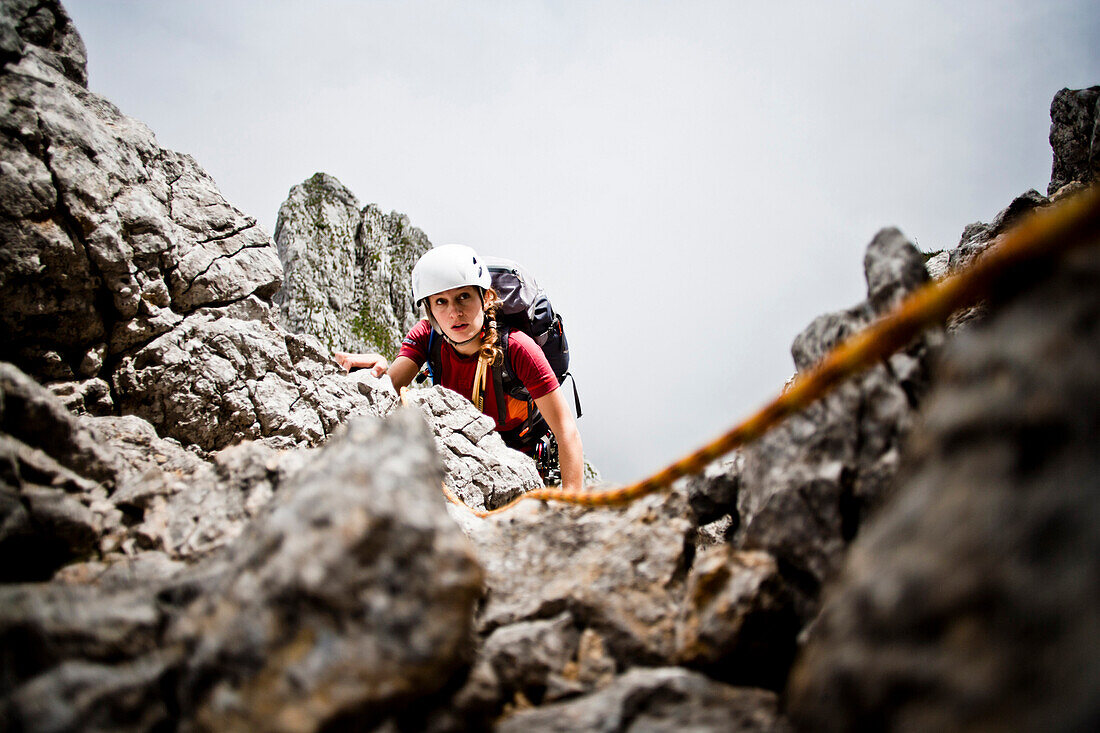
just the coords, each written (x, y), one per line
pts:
(1042, 235)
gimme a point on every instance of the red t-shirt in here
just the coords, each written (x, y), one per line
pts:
(529, 365)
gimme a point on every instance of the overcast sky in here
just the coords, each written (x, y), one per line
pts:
(693, 182)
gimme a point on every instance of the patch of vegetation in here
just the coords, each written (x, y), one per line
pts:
(317, 195)
(371, 331)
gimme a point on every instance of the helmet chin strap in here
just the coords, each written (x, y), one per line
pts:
(452, 342)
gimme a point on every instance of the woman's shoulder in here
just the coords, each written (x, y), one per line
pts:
(529, 363)
(420, 330)
(415, 344)
(520, 339)
(521, 345)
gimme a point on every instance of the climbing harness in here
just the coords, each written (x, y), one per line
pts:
(1040, 237)
(546, 459)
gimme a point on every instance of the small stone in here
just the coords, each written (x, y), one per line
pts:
(93, 360)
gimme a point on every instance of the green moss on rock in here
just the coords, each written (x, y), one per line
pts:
(367, 328)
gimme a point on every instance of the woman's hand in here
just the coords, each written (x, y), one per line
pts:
(375, 362)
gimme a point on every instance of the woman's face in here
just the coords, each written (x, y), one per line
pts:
(458, 312)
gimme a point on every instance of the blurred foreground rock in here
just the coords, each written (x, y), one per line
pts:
(801, 492)
(349, 597)
(971, 602)
(662, 699)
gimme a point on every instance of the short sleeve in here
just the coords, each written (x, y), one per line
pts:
(415, 344)
(530, 365)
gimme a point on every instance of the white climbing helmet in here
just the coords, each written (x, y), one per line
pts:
(445, 267)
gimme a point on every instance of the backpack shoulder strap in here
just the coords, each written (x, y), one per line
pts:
(576, 394)
(498, 374)
(435, 357)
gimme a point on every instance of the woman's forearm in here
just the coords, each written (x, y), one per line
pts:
(570, 451)
(571, 459)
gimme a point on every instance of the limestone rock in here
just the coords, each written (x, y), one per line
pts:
(32, 415)
(48, 27)
(662, 699)
(712, 494)
(110, 237)
(217, 379)
(100, 488)
(739, 623)
(352, 595)
(315, 233)
(481, 469)
(79, 659)
(43, 523)
(130, 285)
(1075, 137)
(977, 237)
(970, 601)
(618, 572)
(90, 396)
(55, 474)
(806, 486)
(349, 597)
(891, 269)
(185, 507)
(88, 696)
(346, 268)
(937, 264)
(387, 248)
(534, 659)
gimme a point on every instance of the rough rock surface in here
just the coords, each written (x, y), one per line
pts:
(738, 623)
(1075, 137)
(56, 475)
(971, 602)
(347, 599)
(368, 608)
(572, 599)
(801, 492)
(481, 469)
(224, 375)
(664, 699)
(105, 489)
(111, 239)
(209, 567)
(976, 237)
(620, 572)
(346, 268)
(130, 285)
(102, 490)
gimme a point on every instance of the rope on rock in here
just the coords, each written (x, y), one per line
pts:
(1040, 237)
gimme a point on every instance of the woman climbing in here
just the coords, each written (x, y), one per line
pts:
(460, 304)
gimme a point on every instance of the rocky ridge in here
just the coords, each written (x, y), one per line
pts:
(346, 268)
(124, 268)
(933, 511)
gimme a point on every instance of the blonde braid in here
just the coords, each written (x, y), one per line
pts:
(490, 346)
